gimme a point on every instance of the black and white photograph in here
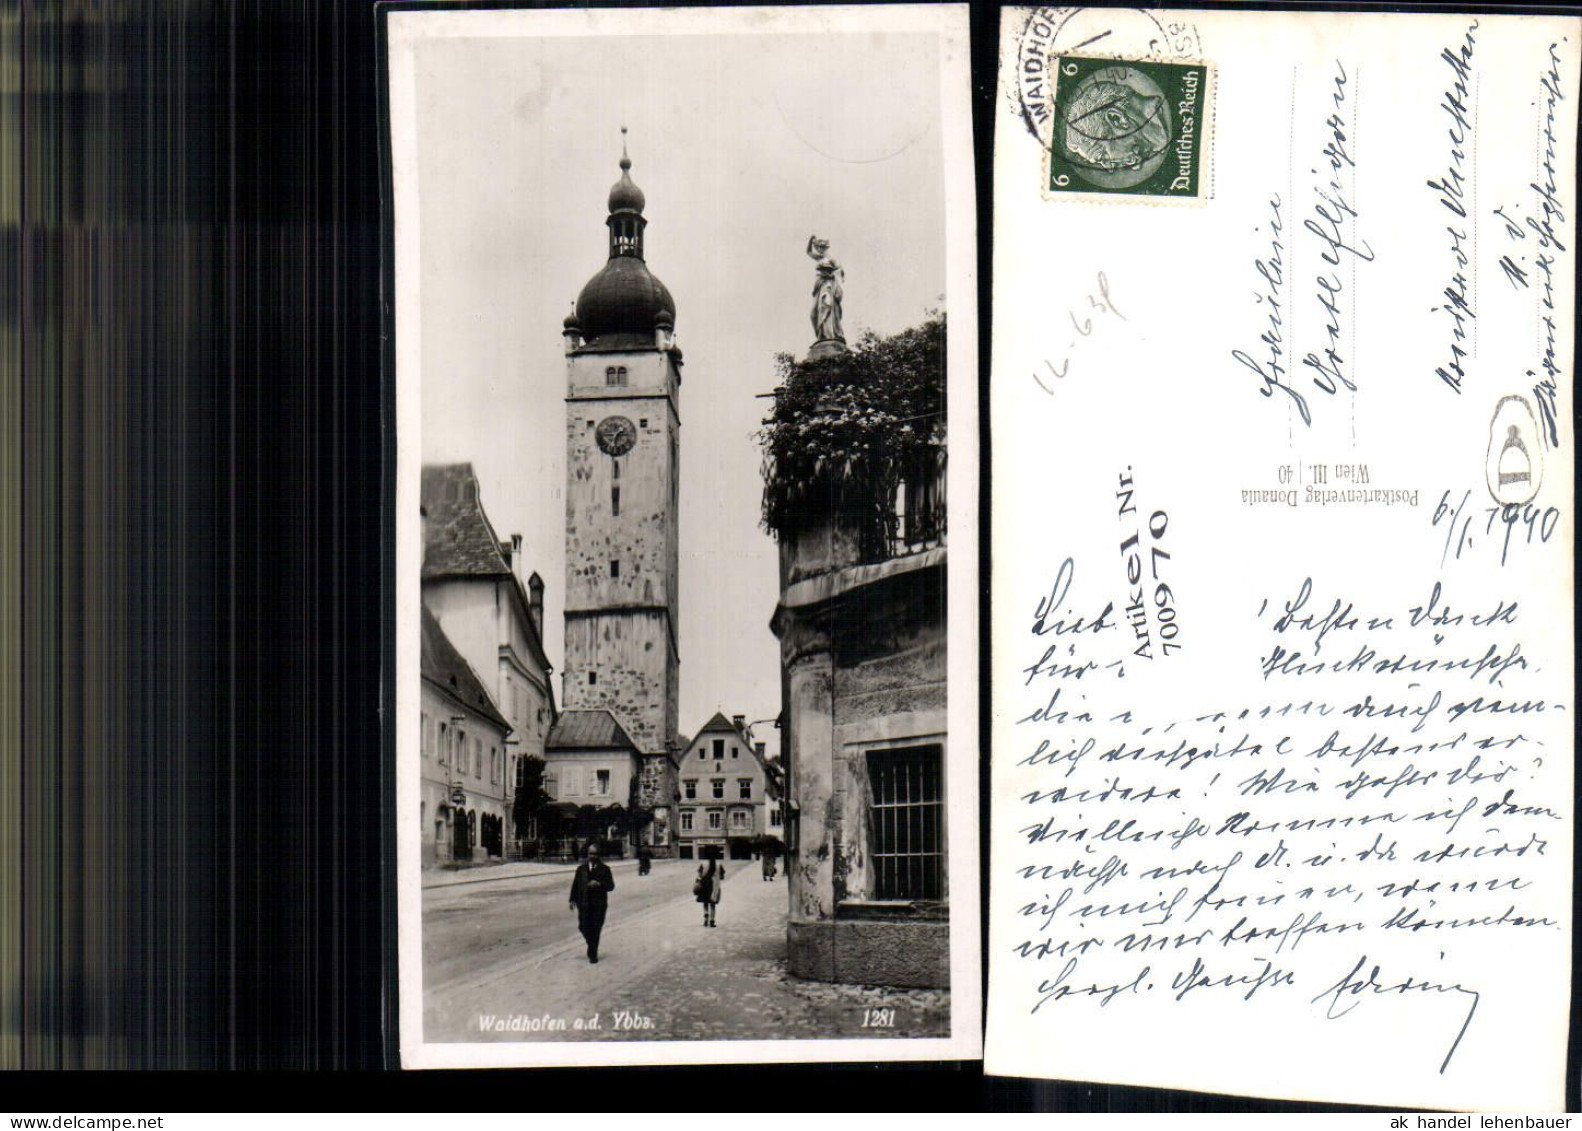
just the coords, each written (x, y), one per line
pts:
(685, 434)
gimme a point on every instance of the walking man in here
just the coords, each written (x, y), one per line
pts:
(590, 898)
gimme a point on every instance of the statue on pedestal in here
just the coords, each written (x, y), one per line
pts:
(826, 296)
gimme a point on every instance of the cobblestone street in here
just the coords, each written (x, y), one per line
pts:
(508, 964)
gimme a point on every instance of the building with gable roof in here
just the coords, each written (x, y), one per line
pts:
(591, 762)
(463, 805)
(473, 586)
(724, 784)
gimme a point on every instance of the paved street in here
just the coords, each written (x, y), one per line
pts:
(508, 950)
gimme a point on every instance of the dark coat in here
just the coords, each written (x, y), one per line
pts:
(584, 891)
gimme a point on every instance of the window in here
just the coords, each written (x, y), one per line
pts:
(573, 781)
(702, 753)
(733, 751)
(494, 764)
(738, 819)
(686, 820)
(427, 745)
(643, 423)
(601, 783)
(715, 819)
(690, 788)
(552, 786)
(616, 468)
(477, 757)
(615, 569)
(774, 817)
(593, 679)
(744, 787)
(908, 823)
(718, 785)
(615, 500)
(615, 375)
(719, 748)
(444, 744)
(459, 736)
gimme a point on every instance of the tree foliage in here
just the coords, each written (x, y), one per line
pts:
(530, 794)
(845, 430)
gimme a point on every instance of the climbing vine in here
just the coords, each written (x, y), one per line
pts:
(844, 431)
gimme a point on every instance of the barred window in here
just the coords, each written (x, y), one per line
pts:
(908, 822)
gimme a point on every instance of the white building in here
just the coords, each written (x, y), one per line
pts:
(473, 586)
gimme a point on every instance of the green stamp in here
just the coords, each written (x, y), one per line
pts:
(1128, 127)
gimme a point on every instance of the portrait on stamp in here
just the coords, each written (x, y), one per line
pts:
(1127, 126)
(681, 762)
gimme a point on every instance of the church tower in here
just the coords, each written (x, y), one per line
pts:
(623, 374)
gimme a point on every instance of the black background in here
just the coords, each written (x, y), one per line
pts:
(193, 294)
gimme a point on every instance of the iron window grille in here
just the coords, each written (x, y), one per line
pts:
(908, 816)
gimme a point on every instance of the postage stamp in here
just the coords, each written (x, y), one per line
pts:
(1132, 127)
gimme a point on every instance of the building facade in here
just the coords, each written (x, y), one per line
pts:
(592, 764)
(623, 373)
(472, 584)
(462, 808)
(723, 790)
(862, 630)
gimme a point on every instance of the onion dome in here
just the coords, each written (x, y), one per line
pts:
(621, 306)
(624, 195)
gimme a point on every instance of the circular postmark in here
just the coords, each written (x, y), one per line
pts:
(1111, 33)
(1514, 464)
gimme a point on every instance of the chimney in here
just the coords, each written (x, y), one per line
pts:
(516, 554)
(739, 722)
(535, 596)
(759, 747)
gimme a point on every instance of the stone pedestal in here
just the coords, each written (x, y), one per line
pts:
(827, 347)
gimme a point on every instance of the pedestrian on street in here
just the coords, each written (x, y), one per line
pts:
(769, 866)
(590, 898)
(645, 861)
(707, 890)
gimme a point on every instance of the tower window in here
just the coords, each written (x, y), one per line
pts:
(616, 464)
(615, 568)
(615, 500)
(615, 375)
(590, 424)
(593, 679)
(643, 422)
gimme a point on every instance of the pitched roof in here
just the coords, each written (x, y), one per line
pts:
(443, 665)
(718, 723)
(587, 730)
(459, 541)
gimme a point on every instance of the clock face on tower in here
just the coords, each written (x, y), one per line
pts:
(616, 435)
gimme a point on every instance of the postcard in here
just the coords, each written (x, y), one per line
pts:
(686, 686)
(1282, 524)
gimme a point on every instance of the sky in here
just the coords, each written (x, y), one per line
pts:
(744, 145)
